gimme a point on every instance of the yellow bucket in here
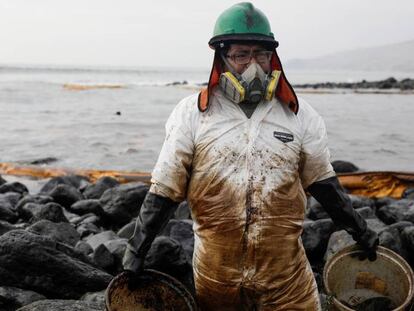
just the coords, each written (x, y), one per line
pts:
(350, 283)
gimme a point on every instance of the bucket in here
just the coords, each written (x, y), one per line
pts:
(353, 284)
(152, 291)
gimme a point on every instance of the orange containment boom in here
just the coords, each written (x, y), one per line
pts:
(39, 172)
(370, 184)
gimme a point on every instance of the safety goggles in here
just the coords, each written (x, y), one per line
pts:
(244, 57)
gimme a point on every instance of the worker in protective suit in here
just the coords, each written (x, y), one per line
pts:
(242, 152)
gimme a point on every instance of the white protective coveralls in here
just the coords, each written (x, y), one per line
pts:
(244, 181)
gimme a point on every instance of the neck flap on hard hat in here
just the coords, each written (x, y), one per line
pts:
(284, 91)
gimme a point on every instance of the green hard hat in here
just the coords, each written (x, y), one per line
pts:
(242, 22)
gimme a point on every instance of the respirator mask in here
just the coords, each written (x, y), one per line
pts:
(253, 85)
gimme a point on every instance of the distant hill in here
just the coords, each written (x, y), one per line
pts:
(392, 57)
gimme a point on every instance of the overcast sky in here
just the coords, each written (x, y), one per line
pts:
(175, 33)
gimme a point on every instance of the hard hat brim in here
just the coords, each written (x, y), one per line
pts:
(222, 41)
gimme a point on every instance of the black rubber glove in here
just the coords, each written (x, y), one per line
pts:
(155, 213)
(331, 195)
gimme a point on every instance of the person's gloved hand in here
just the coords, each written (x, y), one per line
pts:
(368, 241)
(133, 267)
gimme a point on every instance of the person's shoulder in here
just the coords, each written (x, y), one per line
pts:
(188, 104)
(306, 111)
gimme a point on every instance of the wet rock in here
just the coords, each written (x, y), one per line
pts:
(12, 298)
(87, 206)
(366, 212)
(315, 236)
(87, 229)
(408, 194)
(97, 297)
(33, 198)
(167, 255)
(398, 211)
(62, 305)
(5, 227)
(62, 232)
(7, 210)
(2, 181)
(344, 167)
(117, 249)
(43, 161)
(407, 237)
(101, 238)
(65, 195)
(14, 187)
(315, 210)
(76, 181)
(95, 191)
(38, 263)
(183, 211)
(127, 230)
(341, 239)
(391, 237)
(102, 257)
(380, 202)
(13, 198)
(84, 248)
(360, 201)
(87, 218)
(182, 231)
(50, 211)
(123, 202)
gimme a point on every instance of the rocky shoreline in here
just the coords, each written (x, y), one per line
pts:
(60, 247)
(387, 84)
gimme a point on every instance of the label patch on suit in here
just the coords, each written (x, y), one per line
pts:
(284, 137)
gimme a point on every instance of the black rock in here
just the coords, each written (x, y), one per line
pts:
(182, 231)
(61, 232)
(13, 198)
(38, 263)
(76, 181)
(96, 297)
(344, 167)
(117, 249)
(2, 181)
(384, 201)
(33, 198)
(340, 239)
(65, 195)
(168, 256)
(315, 210)
(49, 211)
(101, 238)
(408, 194)
(12, 298)
(87, 206)
(5, 227)
(87, 229)
(361, 201)
(127, 230)
(183, 211)
(63, 305)
(84, 248)
(366, 212)
(315, 237)
(95, 191)
(398, 211)
(391, 237)
(7, 210)
(102, 257)
(123, 202)
(14, 187)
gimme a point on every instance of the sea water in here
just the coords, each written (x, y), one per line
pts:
(123, 128)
